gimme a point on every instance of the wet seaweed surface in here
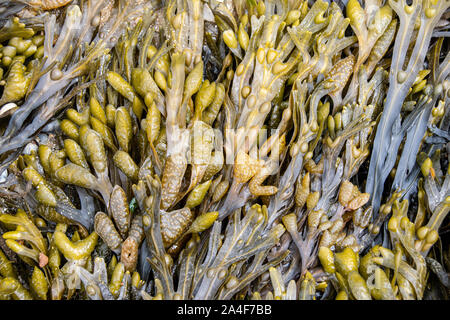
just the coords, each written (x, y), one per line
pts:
(224, 149)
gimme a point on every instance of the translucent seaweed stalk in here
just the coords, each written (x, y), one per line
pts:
(401, 77)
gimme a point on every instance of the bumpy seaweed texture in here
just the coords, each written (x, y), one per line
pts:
(241, 149)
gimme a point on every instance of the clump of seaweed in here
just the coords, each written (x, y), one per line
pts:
(224, 150)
